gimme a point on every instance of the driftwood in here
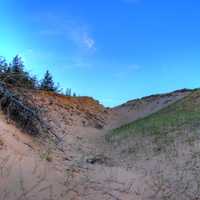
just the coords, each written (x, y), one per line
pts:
(24, 116)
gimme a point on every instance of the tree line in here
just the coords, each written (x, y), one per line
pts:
(14, 73)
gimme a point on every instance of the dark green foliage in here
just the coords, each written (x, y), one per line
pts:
(17, 65)
(3, 65)
(3, 68)
(25, 115)
(16, 75)
(47, 83)
(68, 92)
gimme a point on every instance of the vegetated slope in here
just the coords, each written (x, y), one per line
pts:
(165, 148)
(185, 113)
(139, 108)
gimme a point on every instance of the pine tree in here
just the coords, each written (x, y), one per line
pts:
(3, 65)
(47, 82)
(17, 76)
(68, 92)
(17, 65)
(3, 68)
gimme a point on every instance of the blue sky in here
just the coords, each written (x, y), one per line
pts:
(113, 50)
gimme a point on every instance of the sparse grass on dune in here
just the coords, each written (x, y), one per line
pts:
(185, 113)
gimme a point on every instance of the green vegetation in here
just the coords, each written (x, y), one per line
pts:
(47, 83)
(14, 73)
(181, 115)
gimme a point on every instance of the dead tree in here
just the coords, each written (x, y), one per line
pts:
(24, 116)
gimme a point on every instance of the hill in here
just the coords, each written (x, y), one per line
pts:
(139, 108)
(184, 113)
(164, 147)
(83, 165)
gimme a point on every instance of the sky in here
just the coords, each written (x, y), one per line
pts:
(112, 50)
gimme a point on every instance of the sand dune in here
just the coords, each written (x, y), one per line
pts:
(82, 166)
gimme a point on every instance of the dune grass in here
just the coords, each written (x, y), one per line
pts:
(185, 113)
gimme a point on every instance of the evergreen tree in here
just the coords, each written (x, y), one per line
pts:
(18, 76)
(3, 65)
(48, 83)
(14, 74)
(3, 68)
(68, 92)
(17, 65)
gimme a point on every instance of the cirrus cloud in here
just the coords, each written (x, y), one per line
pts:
(69, 29)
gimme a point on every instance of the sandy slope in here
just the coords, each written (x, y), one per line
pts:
(84, 167)
(26, 173)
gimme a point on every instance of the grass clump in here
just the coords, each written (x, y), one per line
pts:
(47, 156)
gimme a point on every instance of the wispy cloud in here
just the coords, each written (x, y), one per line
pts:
(69, 29)
(88, 41)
